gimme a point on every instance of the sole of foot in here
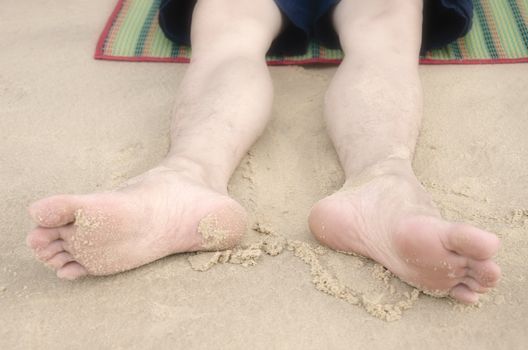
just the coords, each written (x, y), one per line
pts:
(392, 220)
(152, 216)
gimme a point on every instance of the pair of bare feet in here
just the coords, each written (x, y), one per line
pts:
(388, 217)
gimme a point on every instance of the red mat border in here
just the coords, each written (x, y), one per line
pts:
(428, 61)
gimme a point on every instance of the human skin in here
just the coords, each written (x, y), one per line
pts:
(222, 106)
(373, 111)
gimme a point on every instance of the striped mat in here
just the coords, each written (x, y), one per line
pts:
(499, 35)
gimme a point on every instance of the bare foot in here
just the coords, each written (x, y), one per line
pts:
(157, 214)
(391, 219)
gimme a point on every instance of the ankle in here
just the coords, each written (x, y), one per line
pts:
(194, 171)
(396, 167)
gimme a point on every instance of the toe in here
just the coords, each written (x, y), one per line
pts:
(462, 293)
(66, 233)
(54, 211)
(40, 238)
(71, 271)
(59, 260)
(472, 242)
(474, 285)
(487, 273)
(51, 250)
(457, 268)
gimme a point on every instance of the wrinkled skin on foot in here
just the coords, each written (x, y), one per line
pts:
(392, 220)
(157, 214)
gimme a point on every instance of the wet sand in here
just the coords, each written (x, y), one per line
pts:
(70, 124)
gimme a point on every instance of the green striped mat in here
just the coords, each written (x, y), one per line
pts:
(499, 35)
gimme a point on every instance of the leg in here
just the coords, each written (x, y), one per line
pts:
(182, 205)
(373, 111)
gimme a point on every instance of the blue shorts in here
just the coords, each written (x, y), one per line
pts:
(444, 22)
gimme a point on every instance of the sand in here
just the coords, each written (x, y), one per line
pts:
(70, 124)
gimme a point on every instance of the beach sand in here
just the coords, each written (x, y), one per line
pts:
(71, 124)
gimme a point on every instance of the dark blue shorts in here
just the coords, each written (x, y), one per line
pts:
(444, 22)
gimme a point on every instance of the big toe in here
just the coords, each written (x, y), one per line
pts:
(472, 242)
(54, 211)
